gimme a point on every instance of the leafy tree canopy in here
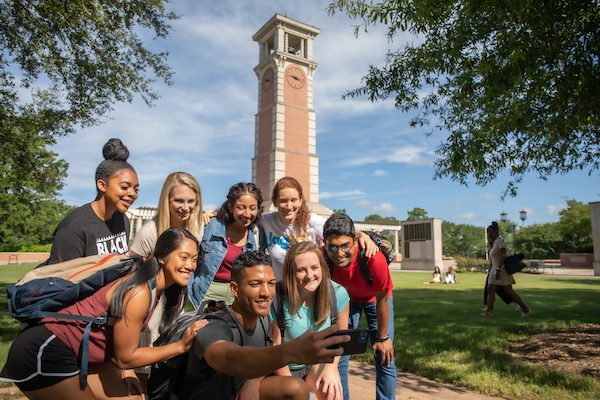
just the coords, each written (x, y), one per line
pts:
(515, 83)
(340, 211)
(379, 218)
(88, 52)
(417, 213)
(575, 226)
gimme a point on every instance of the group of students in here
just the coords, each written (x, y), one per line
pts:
(217, 258)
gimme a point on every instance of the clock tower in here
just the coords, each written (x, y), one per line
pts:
(285, 131)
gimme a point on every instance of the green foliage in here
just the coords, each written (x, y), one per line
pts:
(540, 241)
(90, 52)
(340, 211)
(575, 226)
(389, 235)
(471, 264)
(25, 248)
(463, 239)
(514, 83)
(417, 213)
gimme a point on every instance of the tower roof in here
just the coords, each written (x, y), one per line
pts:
(291, 22)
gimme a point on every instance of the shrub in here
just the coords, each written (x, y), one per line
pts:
(26, 248)
(472, 264)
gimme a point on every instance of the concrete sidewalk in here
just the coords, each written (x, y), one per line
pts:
(409, 387)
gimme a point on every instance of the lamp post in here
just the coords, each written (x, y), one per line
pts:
(504, 219)
(523, 216)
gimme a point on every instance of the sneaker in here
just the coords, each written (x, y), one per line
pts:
(517, 307)
(527, 314)
(484, 315)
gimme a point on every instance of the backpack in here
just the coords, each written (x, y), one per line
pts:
(363, 261)
(169, 377)
(47, 289)
(279, 312)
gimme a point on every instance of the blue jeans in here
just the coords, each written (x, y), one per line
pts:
(385, 374)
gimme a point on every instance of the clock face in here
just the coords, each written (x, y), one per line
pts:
(295, 77)
(267, 80)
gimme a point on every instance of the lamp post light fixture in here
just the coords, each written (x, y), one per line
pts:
(523, 215)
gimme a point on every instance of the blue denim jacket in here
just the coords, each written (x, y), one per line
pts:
(213, 250)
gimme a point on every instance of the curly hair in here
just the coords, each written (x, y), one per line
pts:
(235, 192)
(303, 214)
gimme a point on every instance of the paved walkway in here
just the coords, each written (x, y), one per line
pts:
(409, 386)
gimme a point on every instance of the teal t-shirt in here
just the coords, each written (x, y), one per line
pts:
(304, 320)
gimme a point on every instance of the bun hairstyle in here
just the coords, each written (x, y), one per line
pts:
(115, 159)
(494, 226)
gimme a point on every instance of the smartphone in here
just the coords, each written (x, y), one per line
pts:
(357, 343)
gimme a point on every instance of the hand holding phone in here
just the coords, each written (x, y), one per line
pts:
(357, 343)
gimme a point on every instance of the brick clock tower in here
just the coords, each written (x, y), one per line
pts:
(285, 138)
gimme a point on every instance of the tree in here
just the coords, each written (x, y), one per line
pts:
(340, 211)
(88, 51)
(540, 241)
(575, 226)
(513, 83)
(463, 239)
(30, 178)
(417, 213)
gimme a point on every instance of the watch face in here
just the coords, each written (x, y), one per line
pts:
(267, 80)
(295, 77)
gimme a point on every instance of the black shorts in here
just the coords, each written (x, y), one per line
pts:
(37, 359)
(302, 372)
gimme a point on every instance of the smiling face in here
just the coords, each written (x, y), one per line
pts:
(182, 202)
(255, 291)
(341, 249)
(121, 190)
(309, 274)
(180, 264)
(287, 204)
(244, 210)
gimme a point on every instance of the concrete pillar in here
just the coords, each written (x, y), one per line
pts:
(595, 216)
(396, 246)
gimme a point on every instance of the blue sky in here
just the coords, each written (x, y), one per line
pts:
(371, 160)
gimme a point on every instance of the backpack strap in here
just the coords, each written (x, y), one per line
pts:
(363, 264)
(332, 303)
(277, 305)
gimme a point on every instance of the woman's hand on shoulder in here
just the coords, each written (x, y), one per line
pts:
(367, 243)
(208, 214)
(187, 340)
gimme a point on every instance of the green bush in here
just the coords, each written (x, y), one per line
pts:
(26, 248)
(472, 264)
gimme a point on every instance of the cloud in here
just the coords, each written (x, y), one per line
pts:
(385, 208)
(469, 216)
(379, 173)
(554, 209)
(408, 154)
(488, 197)
(363, 204)
(328, 195)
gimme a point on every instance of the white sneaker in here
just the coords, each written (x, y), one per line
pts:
(527, 314)
(517, 307)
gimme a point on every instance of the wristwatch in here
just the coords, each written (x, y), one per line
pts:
(382, 339)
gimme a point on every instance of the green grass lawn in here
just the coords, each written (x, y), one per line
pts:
(439, 336)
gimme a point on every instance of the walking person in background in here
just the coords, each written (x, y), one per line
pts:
(498, 277)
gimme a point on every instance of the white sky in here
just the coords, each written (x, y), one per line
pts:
(371, 160)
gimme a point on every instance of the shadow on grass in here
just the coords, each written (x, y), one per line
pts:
(439, 335)
(9, 327)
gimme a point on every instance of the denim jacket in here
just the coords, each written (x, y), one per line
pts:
(213, 250)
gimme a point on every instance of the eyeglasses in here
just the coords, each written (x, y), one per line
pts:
(334, 249)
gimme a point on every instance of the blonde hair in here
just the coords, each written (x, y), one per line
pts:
(163, 217)
(290, 288)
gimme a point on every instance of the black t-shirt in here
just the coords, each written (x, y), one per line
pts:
(202, 381)
(82, 233)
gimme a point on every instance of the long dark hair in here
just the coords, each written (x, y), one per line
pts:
(235, 192)
(143, 272)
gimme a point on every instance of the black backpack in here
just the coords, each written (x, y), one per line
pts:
(169, 380)
(363, 261)
(279, 312)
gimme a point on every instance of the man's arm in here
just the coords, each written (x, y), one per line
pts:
(252, 362)
(382, 309)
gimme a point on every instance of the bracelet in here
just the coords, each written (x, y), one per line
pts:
(382, 339)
